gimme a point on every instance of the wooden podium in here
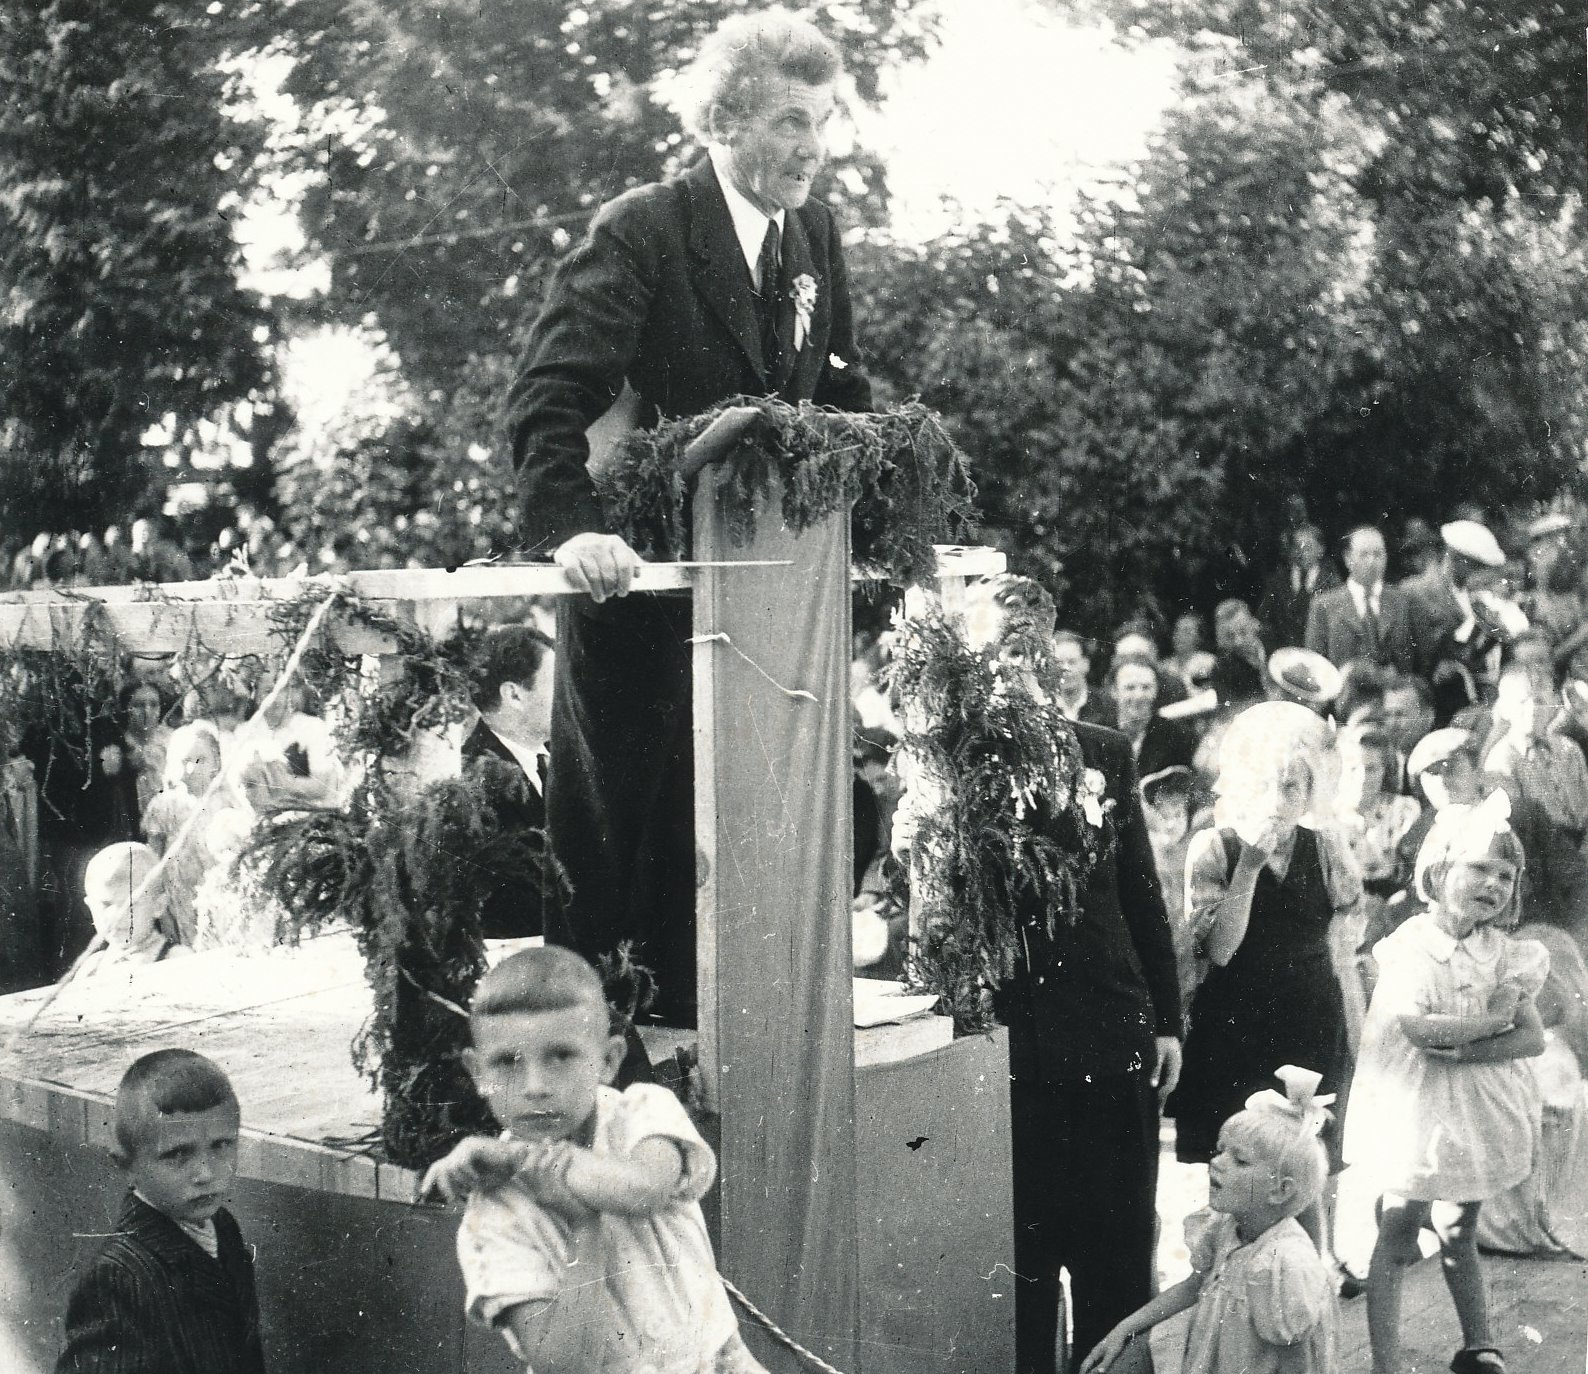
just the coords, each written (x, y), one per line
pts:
(864, 1197)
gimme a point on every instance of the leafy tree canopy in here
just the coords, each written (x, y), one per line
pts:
(121, 307)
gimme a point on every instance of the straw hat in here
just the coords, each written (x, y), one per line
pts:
(1305, 676)
(1472, 540)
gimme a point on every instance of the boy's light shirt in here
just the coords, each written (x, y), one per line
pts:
(658, 1269)
(203, 1236)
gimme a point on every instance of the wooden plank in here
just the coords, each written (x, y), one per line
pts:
(231, 616)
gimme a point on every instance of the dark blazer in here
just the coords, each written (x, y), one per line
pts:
(152, 1302)
(1284, 610)
(1094, 994)
(659, 295)
(1435, 617)
(513, 910)
(1336, 631)
(1166, 743)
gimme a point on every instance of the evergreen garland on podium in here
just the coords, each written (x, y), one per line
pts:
(908, 482)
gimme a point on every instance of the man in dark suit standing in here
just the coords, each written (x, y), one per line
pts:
(1365, 619)
(725, 280)
(512, 692)
(1287, 597)
(1445, 626)
(1094, 1018)
(1094, 1044)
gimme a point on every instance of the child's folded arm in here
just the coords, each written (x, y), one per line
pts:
(1440, 1030)
(644, 1180)
(1524, 1040)
(475, 1165)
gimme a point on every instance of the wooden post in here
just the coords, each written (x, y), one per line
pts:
(773, 822)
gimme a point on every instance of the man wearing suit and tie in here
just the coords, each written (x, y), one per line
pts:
(1363, 619)
(725, 280)
(512, 692)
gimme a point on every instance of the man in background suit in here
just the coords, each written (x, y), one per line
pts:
(1365, 619)
(725, 280)
(512, 692)
(1287, 598)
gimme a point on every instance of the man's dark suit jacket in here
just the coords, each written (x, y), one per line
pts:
(1284, 610)
(1336, 631)
(511, 912)
(1095, 993)
(152, 1302)
(657, 295)
(1435, 617)
(1166, 744)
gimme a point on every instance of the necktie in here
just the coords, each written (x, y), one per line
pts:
(1371, 619)
(541, 763)
(766, 296)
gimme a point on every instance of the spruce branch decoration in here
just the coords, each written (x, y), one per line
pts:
(909, 482)
(1003, 832)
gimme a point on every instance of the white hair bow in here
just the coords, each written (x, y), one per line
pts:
(1300, 1100)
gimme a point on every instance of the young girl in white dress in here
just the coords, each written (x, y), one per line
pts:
(1264, 1298)
(1443, 1111)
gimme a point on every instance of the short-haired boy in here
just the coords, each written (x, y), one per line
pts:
(583, 1241)
(171, 1290)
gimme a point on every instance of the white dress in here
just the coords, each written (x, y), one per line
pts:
(1267, 1307)
(658, 1269)
(1430, 1128)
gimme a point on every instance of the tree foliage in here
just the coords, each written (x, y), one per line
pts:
(1337, 280)
(121, 304)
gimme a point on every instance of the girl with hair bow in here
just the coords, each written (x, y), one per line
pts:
(1444, 1114)
(1264, 1298)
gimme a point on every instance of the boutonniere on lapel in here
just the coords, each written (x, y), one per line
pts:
(1095, 804)
(803, 294)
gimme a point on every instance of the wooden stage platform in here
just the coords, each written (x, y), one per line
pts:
(353, 1276)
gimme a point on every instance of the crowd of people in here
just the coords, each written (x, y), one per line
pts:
(1349, 793)
(157, 549)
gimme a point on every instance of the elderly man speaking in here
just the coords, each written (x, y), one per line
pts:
(727, 279)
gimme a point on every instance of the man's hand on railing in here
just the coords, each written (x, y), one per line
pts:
(601, 564)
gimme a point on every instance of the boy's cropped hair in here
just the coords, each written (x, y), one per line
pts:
(119, 867)
(547, 978)
(163, 1083)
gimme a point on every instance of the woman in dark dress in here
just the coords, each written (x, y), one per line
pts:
(1267, 892)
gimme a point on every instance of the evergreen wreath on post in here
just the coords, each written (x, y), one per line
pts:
(1006, 815)
(909, 483)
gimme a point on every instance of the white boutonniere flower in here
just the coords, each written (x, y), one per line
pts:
(804, 293)
(1094, 805)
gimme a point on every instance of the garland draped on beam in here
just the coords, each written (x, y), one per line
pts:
(1007, 818)
(908, 481)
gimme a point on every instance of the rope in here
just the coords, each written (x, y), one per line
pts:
(188, 826)
(799, 693)
(776, 1332)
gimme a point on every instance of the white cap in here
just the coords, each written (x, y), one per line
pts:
(1472, 540)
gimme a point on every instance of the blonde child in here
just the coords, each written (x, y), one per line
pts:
(1264, 1298)
(192, 763)
(583, 1242)
(129, 921)
(1444, 1113)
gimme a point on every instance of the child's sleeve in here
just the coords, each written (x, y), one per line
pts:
(1288, 1293)
(1202, 1239)
(112, 1327)
(511, 1251)
(1526, 964)
(651, 1110)
(1407, 978)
